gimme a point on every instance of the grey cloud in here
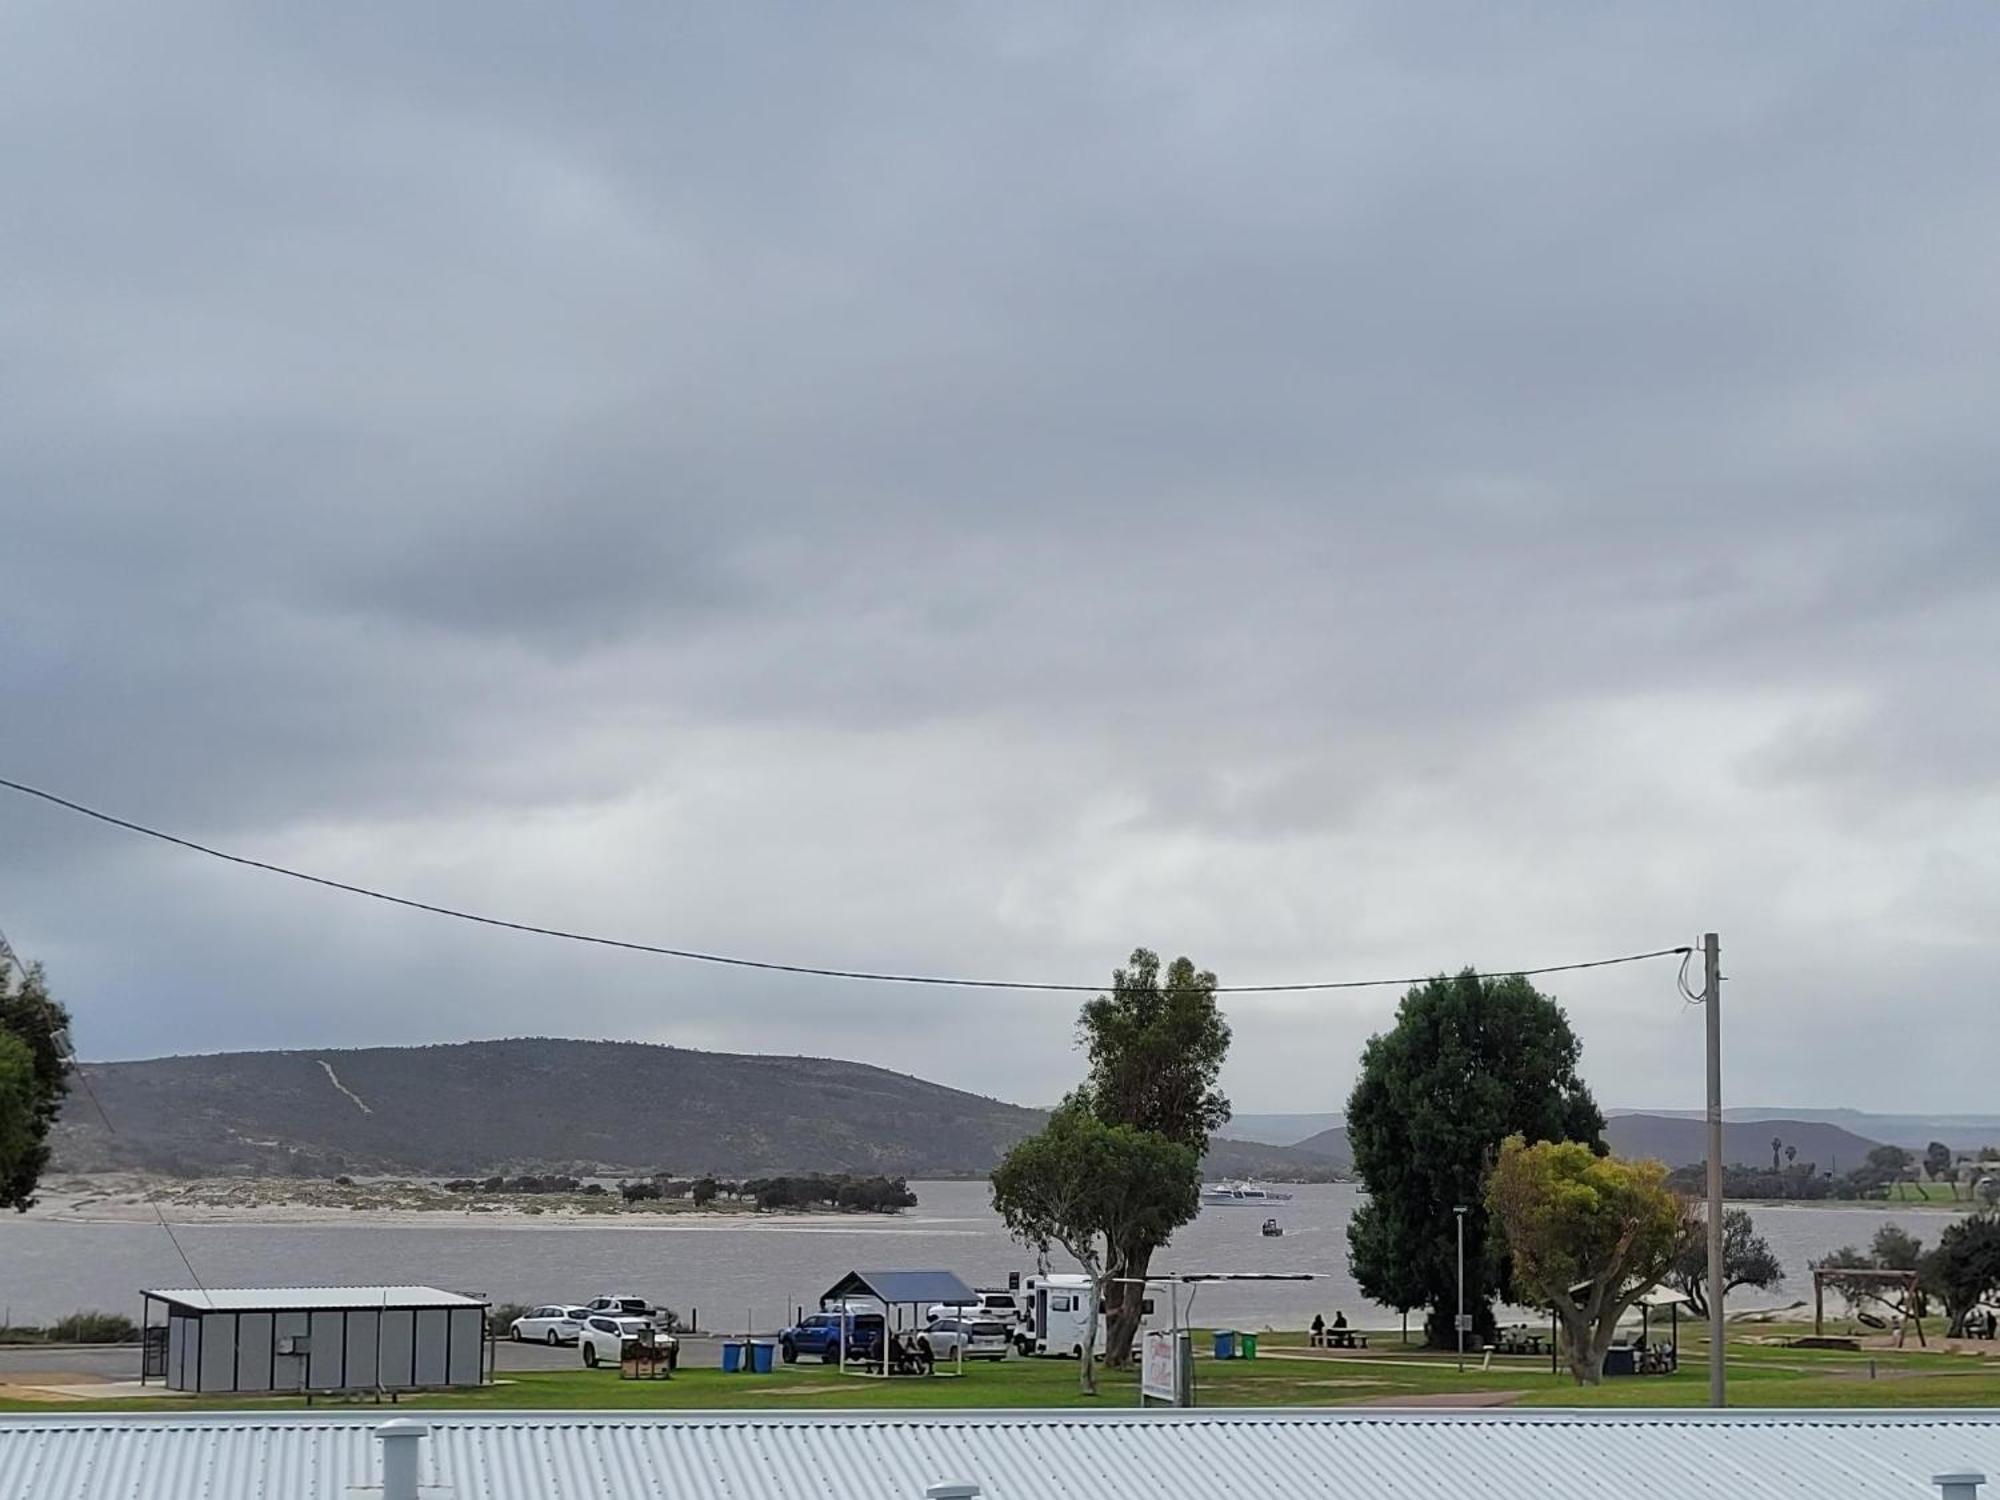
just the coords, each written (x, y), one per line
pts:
(1333, 490)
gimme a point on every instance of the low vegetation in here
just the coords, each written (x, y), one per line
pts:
(88, 1327)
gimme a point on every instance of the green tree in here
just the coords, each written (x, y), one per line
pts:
(1469, 1062)
(1964, 1270)
(1777, 1149)
(1937, 1163)
(1156, 1047)
(33, 1019)
(17, 1103)
(1589, 1235)
(1746, 1258)
(1087, 1186)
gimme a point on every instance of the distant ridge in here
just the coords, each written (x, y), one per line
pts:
(543, 1104)
(1677, 1141)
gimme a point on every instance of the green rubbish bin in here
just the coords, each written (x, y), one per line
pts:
(1246, 1345)
(1225, 1343)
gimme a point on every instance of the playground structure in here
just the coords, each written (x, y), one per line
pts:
(1855, 1283)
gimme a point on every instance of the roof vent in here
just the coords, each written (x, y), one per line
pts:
(1961, 1486)
(959, 1489)
(402, 1444)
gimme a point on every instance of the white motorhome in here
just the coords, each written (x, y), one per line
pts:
(1055, 1315)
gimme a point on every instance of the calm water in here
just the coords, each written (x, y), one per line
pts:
(757, 1269)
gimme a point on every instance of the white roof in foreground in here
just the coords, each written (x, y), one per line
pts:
(1127, 1455)
(296, 1298)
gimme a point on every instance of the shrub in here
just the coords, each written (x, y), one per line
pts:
(91, 1327)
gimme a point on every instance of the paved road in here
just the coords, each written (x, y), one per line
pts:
(121, 1361)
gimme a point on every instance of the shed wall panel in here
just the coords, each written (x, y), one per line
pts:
(253, 1352)
(177, 1348)
(433, 1325)
(218, 1352)
(362, 1329)
(291, 1373)
(468, 1333)
(398, 1340)
(323, 1370)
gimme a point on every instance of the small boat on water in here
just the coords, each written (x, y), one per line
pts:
(1240, 1194)
(1272, 1229)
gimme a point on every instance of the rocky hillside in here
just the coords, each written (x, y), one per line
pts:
(537, 1104)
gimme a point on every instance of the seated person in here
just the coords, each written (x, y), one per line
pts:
(1318, 1330)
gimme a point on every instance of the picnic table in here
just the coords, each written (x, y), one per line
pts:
(1520, 1341)
(1340, 1338)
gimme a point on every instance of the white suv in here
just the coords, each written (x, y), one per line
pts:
(997, 1307)
(603, 1339)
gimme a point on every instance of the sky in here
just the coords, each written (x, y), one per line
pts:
(1337, 491)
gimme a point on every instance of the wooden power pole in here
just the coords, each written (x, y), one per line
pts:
(1711, 994)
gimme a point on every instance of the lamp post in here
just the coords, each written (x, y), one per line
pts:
(1459, 1321)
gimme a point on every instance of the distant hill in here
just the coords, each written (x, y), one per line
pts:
(1678, 1141)
(1280, 1130)
(1332, 1144)
(1914, 1132)
(537, 1104)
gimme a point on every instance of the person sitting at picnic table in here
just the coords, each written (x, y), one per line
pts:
(1318, 1330)
(1339, 1318)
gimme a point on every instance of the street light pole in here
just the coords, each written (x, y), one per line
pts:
(1459, 1321)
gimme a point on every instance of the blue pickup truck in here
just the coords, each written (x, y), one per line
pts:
(820, 1335)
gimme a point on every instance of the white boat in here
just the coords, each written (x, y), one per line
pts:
(1240, 1194)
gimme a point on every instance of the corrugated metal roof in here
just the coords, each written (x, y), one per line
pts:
(294, 1298)
(1127, 1455)
(902, 1286)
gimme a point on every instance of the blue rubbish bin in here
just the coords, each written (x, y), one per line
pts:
(732, 1358)
(761, 1354)
(1225, 1343)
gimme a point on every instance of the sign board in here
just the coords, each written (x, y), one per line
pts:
(1465, 1322)
(1160, 1372)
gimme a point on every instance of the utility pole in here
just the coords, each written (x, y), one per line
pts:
(1459, 1321)
(1711, 996)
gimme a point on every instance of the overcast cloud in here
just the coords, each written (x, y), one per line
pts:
(1335, 491)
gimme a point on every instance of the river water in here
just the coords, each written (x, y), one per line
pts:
(759, 1269)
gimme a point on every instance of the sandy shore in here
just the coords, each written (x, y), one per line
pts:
(129, 1199)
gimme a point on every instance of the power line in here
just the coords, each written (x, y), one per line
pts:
(736, 962)
(9, 955)
(77, 1072)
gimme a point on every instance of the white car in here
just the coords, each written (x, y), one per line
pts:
(1000, 1307)
(615, 1306)
(603, 1339)
(549, 1325)
(982, 1338)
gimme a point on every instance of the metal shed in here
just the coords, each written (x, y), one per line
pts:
(314, 1338)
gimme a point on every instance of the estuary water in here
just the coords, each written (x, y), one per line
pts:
(733, 1270)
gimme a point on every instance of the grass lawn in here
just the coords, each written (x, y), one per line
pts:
(1929, 1192)
(1285, 1374)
